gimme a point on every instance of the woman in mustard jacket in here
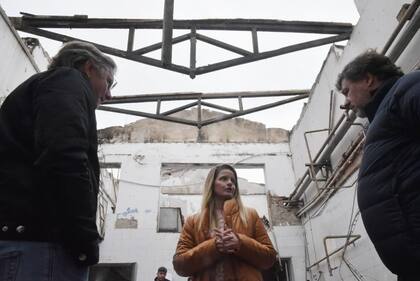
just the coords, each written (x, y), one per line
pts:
(225, 241)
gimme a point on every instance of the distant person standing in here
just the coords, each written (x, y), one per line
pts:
(389, 176)
(161, 274)
(49, 169)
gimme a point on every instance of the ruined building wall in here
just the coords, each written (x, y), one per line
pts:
(171, 175)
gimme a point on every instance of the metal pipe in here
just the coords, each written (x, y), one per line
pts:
(409, 13)
(311, 163)
(325, 152)
(356, 237)
(405, 38)
(345, 162)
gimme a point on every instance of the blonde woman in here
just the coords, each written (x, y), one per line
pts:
(225, 241)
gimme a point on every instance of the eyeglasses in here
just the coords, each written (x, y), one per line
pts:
(111, 84)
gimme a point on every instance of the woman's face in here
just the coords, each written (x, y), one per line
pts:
(225, 185)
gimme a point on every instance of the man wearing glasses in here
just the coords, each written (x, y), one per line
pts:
(49, 169)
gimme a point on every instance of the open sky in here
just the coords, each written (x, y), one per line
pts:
(292, 71)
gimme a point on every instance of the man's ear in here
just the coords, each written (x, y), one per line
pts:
(88, 68)
(371, 80)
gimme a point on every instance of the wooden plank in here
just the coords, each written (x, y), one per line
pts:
(106, 49)
(269, 54)
(223, 45)
(255, 40)
(168, 18)
(158, 106)
(251, 110)
(180, 108)
(193, 52)
(201, 24)
(199, 113)
(157, 46)
(216, 106)
(130, 39)
(196, 95)
(148, 115)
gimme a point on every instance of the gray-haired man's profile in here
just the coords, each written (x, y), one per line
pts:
(49, 169)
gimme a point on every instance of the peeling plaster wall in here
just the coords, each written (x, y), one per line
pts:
(142, 180)
(377, 22)
(237, 130)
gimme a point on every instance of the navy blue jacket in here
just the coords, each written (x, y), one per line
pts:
(49, 170)
(389, 176)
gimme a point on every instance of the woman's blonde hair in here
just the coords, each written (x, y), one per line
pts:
(209, 203)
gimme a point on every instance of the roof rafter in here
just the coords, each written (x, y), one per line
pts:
(36, 25)
(199, 103)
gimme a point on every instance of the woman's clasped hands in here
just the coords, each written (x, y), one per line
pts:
(227, 242)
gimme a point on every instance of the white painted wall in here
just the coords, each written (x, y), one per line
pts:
(17, 63)
(140, 190)
(377, 22)
(291, 245)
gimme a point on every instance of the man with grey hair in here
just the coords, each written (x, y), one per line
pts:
(389, 177)
(49, 169)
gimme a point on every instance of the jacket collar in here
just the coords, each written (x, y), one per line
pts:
(229, 208)
(371, 108)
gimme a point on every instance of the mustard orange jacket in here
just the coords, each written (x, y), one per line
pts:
(196, 254)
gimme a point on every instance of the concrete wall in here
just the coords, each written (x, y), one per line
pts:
(143, 188)
(338, 215)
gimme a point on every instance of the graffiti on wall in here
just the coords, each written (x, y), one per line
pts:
(127, 218)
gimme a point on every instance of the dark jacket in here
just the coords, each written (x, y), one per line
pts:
(49, 170)
(389, 176)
